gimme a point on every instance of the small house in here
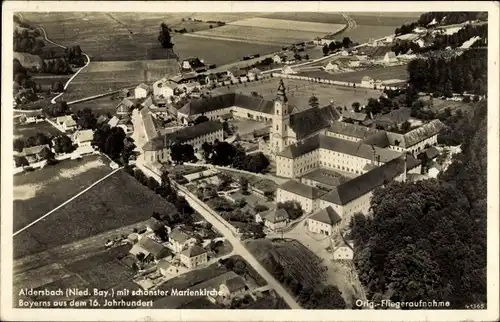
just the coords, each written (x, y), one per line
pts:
(390, 57)
(84, 138)
(141, 91)
(179, 240)
(152, 250)
(277, 219)
(334, 66)
(325, 222)
(113, 122)
(167, 269)
(279, 58)
(125, 107)
(164, 88)
(102, 119)
(194, 256)
(288, 70)
(367, 81)
(66, 122)
(343, 252)
(232, 288)
(254, 74)
(35, 153)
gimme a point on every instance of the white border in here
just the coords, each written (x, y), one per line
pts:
(7, 313)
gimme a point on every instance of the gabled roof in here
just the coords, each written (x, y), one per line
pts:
(148, 124)
(193, 251)
(64, 118)
(395, 116)
(148, 246)
(69, 122)
(113, 121)
(199, 106)
(431, 152)
(278, 215)
(142, 86)
(312, 120)
(84, 136)
(147, 102)
(235, 284)
(34, 149)
(327, 215)
(358, 186)
(101, 119)
(163, 264)
(352, 130)
(417, 135)
(325, 177)
(125, 105)
(301, 189)
(179, 236)
(357, 116)
(183, 135)
(378, 139)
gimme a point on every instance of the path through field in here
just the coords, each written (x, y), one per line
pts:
(67, 201)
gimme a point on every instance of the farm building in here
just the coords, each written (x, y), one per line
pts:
(30, 116)
(167, 269)
(158, 148)
(84, 138)
(192, 63)
(66, 123)
(274, 219)
(179, 240)
(164, 88)
(35, 153)
(141, 91)
(390, 58)
(367, 81)
(344, 251)
(151, 249)
(325, 222)
(232, 288)
(194, 256)
(356, 117)
(124, 107)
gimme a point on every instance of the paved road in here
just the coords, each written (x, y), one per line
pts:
(239, 248)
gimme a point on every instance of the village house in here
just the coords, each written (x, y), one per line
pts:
(124, 108)
(325, 222)
(163, 88)
(288, 70)
(31, 116)
(367, 81)
(194, 256)
(232, 288)
(390, 58)
(141, 91)
(152, 250)
(274, 219)
(83, 138)
(192, 63)
(167, 269)
(239, 76)
(144, 126)
(158, 148)
(254, 74)
(211, 79)
(35, 153)
(343, 251)
(66, 123)
(179, 240)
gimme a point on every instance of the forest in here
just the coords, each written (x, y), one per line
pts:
(427, 239)
(463, 73)
(442, 18)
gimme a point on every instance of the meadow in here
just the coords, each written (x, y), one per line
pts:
(105, 207)
(299, 92)
(24, 131)
(377, 73)
(317, 27)
(99, 106)
(320, 17)
(37, 192)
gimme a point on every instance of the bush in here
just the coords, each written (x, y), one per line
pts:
(260, 208)
(466, 99)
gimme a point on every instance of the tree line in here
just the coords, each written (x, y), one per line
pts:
(427, 239)
(336, 45)
(441, 18)
(463, 73)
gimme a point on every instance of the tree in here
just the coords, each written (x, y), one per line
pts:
(86, 119)
(18, 145)
(46, 154)
(63, 144)
(182, 153)
(356, 107)
(313, 101)
(325, 49)
(293, 208)
(140, 256)
(164, 37)
(207, 150)
(201, 119)
(21, 161)
(243, 181)
(60, 108)
(256, 162)
(406, 126)
(346, 42)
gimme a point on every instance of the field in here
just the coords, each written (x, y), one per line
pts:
(320, 17)
(280, 24)
(99, 106)
(377, 73)
(37, 192)
(304, 265)
(363, 33)
(27, 130)
(299, 92)
(101, 77)
(107, 206)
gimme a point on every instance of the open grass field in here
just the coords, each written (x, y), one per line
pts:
(118, 201)
(299, 92)
(24, 131)
(37, 192)
(102, 77)
(364, 33)
(283, 24)
(318, 17)
(98, 106)
(377, 73)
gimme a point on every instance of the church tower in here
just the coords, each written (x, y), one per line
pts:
(281, 120)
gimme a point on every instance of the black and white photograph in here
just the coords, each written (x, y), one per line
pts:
(249, 157)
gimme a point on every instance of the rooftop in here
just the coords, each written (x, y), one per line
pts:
(182, 135)
(193, 251)
(142, 86)
(301, 189)
(178, 235)
(327, 215)
(148, 246)
(34, 149)
(417, 135)
(277, 215)
(235, 283)
(352, 130)
(324, 176)
(84, 136)
(365, 183)
(312, 120)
